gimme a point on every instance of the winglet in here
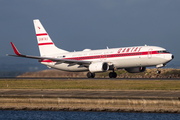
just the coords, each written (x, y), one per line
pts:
(15, 49)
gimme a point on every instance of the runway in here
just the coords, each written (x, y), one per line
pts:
(90, 94)
(65, 78)
(91, 100)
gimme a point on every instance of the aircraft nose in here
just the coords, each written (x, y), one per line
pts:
(168, 57)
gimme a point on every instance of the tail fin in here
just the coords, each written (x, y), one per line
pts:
(46, 45)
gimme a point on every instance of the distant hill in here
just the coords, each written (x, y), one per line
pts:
(53, 73)
(149, 73)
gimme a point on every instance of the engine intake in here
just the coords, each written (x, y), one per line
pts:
(98, 67)
(136, 69)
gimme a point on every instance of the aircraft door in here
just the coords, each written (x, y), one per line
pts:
(150, 53)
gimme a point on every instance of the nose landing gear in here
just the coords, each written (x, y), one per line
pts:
(158, 71)
(159, 66)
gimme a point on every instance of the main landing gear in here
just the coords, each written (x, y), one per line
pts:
(90, 75)
(112, 75)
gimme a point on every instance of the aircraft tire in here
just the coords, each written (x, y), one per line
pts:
(112, 75)
(90, 75)
(158, 72)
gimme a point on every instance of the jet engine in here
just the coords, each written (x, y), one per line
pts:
(98, 67)
(136, 69)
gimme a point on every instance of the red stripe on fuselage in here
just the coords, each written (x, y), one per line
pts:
(42, 34)
(50, 43)
(113, 55)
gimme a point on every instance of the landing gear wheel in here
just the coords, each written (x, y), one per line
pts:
(112, 75)
(90, 75)
(158, 71)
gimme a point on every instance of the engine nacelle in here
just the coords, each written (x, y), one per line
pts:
(136, 70)
(98, 67)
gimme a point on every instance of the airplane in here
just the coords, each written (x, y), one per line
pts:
(132, 59)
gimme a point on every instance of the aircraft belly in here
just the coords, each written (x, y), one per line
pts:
(124, 62)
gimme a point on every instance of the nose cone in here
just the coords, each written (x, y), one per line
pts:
(168, 57)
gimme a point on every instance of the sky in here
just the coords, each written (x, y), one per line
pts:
(94, 24)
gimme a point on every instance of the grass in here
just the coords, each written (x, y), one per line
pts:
(91, 84)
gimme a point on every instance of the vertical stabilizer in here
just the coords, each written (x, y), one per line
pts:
(46, 45)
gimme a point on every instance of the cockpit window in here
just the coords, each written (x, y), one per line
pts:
(163, 51)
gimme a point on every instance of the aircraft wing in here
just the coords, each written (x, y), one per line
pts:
(57, 60)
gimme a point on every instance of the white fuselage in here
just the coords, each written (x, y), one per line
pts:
(132, 59)
(127, 57)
